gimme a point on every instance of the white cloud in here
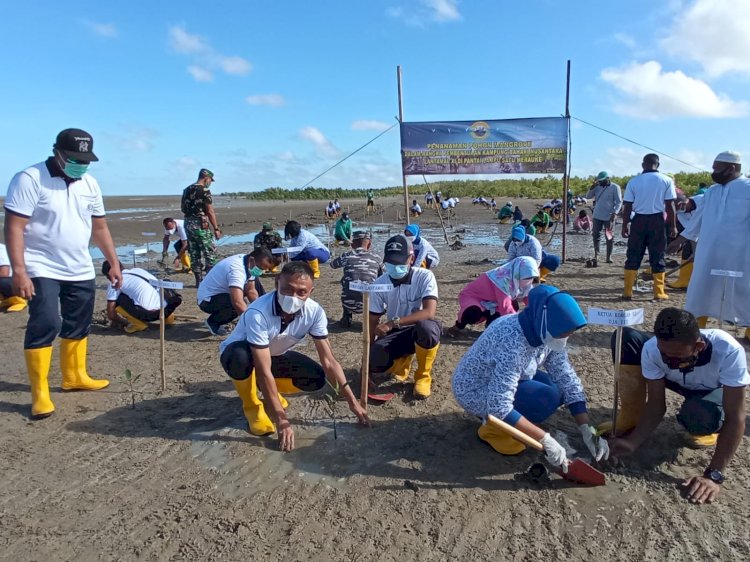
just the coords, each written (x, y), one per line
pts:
(234, 65)
(186, 43)
(650, 93)
(200, 74)
(427, 10)
(625, 39)
(205, 59)
(319, 140)
(443, 10)
(107, 30)
(286, 156)
(369, 125)
(713, 33)
(272, 100)
(186, 164)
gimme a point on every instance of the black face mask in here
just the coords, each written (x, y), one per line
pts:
(724, 176)
(604, 183)
(683, 364)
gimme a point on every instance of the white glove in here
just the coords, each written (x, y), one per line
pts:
(597, 446)
(554, 452)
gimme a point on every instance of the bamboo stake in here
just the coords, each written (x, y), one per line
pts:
(162, 322)
(365, 374)
(618, 360)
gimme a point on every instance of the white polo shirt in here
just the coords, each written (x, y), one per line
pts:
(406, 297)
(726, 367)
(56, 239)
(135, 284)
(179, 229)
(648, 191)
(260, 325)
(4, 259)
(229, 272)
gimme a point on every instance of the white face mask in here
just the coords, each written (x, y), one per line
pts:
(555, 344)
(526, 286)
(289, 303)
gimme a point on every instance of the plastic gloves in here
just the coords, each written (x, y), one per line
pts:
(554, 452)
(597, 446)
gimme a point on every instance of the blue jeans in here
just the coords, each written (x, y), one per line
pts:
(538, 398)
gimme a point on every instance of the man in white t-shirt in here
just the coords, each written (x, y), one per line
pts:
(230, 285)
(176, 226)
(706, 367)
(410, 308)
(52, 210)
(649, 195)
(8, 301)
(258, 354)
(137, 300)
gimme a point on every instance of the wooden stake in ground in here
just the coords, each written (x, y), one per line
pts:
(619, 319)
(161, 285)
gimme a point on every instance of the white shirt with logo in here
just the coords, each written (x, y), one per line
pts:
(260, 325)
(179, 229)
(56, 238)
(727, 367)
(648, 191)
(229, 272)
(135, 284)
(405, 298)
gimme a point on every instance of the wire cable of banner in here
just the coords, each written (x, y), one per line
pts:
(638, 144)
(350, 155)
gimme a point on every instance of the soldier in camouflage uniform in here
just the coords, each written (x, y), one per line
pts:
(268, 238)
(360, 264)
(197, 206)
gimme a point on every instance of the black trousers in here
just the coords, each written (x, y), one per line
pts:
(59, 307)
(647, 232)
(306, 374)
(702, 412)
(400, 343)
(6, 287)
(141, 313)
(220, 308)
(600, 225)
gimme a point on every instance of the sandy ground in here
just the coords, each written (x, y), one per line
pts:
(178, 478)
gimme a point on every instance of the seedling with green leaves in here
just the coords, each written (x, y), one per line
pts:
(331, 398)
(131, 379)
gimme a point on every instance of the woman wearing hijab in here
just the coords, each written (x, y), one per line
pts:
(518, 371)
(424, 254)
(494, 293)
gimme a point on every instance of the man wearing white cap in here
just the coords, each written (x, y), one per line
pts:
(726, 203)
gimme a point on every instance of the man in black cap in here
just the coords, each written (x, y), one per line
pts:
(411, 327)
(197, 206)
(360, 265)
(52, 210)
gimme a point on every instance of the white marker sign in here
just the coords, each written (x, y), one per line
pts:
(726, 273)
(289, 250)
(607, 317)
(166, 284)
(138, 252)
(148, 233)
(369, 288)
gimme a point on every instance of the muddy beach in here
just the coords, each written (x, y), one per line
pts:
(177, 477)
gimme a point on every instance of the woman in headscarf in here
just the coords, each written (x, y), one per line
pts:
(495, 293)
(424, 254)
(518, 371)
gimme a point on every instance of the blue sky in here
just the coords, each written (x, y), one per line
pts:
(272, 93)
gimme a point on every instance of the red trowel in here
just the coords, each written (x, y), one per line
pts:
(579, 471)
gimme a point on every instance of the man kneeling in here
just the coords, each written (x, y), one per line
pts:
(708, 368)
(258, 354)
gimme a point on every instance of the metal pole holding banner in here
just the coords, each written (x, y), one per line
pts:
(726, 274)
(619, 319)
(161, 285)
(401, 120)
(566, 175)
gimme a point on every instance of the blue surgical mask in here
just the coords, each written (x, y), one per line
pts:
(74, 170)
(396, 271)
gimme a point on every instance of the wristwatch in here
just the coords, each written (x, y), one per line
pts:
(714, 475)
(396, 321)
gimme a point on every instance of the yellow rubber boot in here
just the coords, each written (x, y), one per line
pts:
(631, 388)
(258, 421)
(315, 266)
(134, 325)
(401, 368)
(285, 385)
(543, 272)
(702, 321)
(37, 365)
(659, 293)
(700, 441)
(169, 320)
(502, 442)
(630, 277)
(185, 262)
(423, 374)
(15, 304)
(686, 271)
(73, 366)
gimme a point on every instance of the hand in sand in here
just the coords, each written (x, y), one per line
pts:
(286, 436)
(700, 490)
(361, 414)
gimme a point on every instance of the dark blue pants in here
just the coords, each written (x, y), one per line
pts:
(306, 374)
(220, 308)
(647, 232)
(6, 287)
(400, 343)
(71, 300)
(309, 254)
(537, 399)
